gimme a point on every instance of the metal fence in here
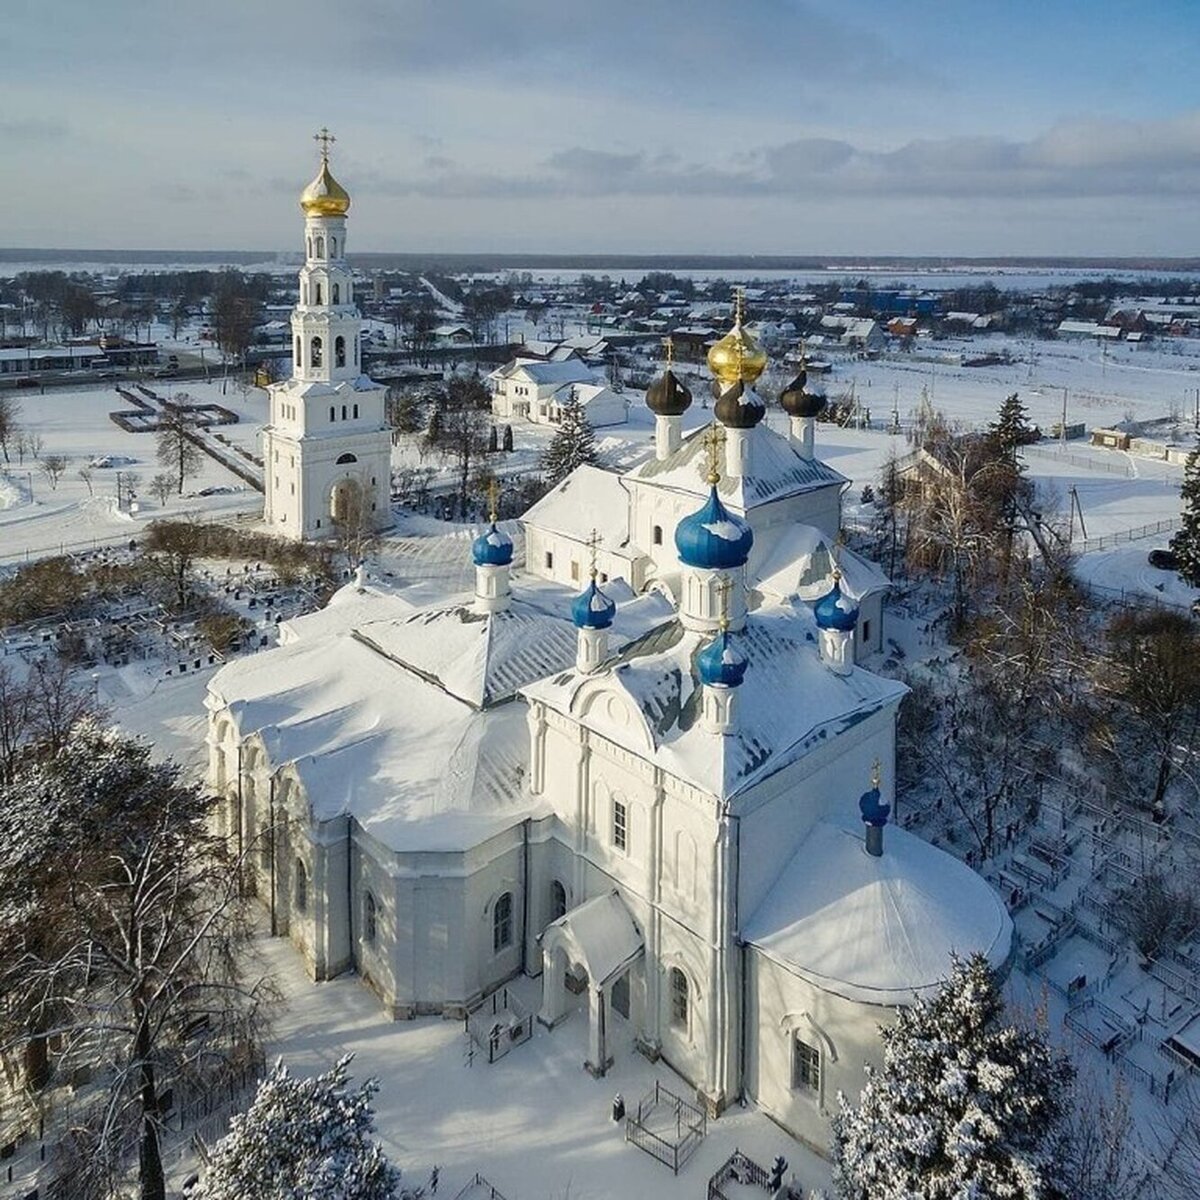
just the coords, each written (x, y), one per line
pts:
(498, 1024)
(683, 1127)
(477, 1186)
(737, 1168)
(1130, 535)
(1081, 460)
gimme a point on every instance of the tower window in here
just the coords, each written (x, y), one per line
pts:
(502, 923)
(310, 247)
(866, 633)
(301, 887)
(317, 299)
(558, 900)
(297, 356)
(343, 412)
(549, 560)
(337, 293)
(339, 345)
(315, 352)
(658, 535)
(370, 921)
(356, 412)
(679, 999)
(320, 250)
(333, 254)
(332, 413)
(806, 1065)
(620, 825)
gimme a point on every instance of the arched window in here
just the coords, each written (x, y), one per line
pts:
(320, 247)
(333, 250)
(679, 998)
(558, 900)
(658, 535)
(310, 247)
(356, 349)
(343, 412)
(356, 412)
(502, 923)
(339, 346)
(315, 352)
(332, 413)
(301, 887)
(317, 298)
(298, 351)
(370, 919)
(344, 459)
(806, 1065)
(337, 294)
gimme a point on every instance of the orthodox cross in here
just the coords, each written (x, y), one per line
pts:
(739, 304)
(875, 775)
(714, 440)
(493, 493)
(669, 346)
(723, 590)
(591, 542)
(325, 139)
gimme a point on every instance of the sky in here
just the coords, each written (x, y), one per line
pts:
(948, 127)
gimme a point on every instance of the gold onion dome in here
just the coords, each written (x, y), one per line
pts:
(737, 356)
(325, 197)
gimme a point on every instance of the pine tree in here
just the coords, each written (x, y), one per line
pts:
(1011, 427)
(573, 444)
(303, 1139)
(1186, 543)
(965, 1105)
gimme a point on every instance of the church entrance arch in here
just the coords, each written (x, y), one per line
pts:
(346, 500)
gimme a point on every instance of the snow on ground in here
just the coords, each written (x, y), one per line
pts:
(36, 519)
(534, 1124)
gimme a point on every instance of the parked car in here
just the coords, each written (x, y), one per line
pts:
(1164, 560)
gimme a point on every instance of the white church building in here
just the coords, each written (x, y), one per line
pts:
(662, 788)
(326, 453)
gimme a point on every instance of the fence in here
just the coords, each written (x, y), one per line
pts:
(478, 1186)
(1130, 535)
(737, 1168)
(690, 1126)
(499, 1024)
(1081, 460)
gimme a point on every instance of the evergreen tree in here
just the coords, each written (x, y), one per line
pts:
(965, 1105)
(573, 444)
(303, 1139)
(1186, 543)
(507, 443)
(1011, 428)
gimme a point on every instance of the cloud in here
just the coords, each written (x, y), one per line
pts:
(33, 129)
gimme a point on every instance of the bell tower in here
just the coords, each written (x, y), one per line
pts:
(327, 447)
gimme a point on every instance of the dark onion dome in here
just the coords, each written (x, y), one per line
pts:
(712, 538)
(874, 811)
(668, 395)
(836, 610)
(592, 609)
(740, 407)
(797, 401)
(492, 549)
(721, 663)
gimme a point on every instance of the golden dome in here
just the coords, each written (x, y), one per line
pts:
(737, 356)
(325, 197)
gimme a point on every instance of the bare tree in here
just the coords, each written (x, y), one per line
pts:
(10, 412)
(32, 443)
(355, 526)
(86, 474)
(176, 449)
(53, 466)
(173, 547)
(161, 487)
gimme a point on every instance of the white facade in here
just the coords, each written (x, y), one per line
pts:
(532, 390)
(326, 446)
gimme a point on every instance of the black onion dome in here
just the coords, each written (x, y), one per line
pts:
(668, 396)
(740, 407)
(797, 401)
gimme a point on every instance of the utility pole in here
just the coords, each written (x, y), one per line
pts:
(1062, 429)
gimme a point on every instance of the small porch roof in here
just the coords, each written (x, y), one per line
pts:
(601, 934)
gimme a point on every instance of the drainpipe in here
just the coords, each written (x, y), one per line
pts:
(350, 892)
(241, 865)
(271, 844)
(525, 894)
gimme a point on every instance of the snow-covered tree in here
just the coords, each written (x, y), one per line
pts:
(573, 444)
(965, 1105)
(1186, 543)
(1011, 427)
(303, 1139)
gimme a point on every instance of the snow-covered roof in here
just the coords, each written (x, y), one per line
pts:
(604, 933)
(572, 370)
(801, 564)
(346, 608)
(647, 699)
(589, 498)
(777, 469)
(879, 930)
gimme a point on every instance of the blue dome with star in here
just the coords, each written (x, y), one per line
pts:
(721, 663)
(836, 610)
(492, 549)
(592, 609)
(713, 538)
(874, 811)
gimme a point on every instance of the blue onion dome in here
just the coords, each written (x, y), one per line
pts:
(836, 610)
(492, 549)
(870, 804)
(713, 538)
(592, 609)
(721, 663)
(797, 401)
(739, 406)
(668, 396)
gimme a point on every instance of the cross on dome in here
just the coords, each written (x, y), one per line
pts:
(739, 305)
(723, 590)
(493, 493)
(714, 440)
(325, 139)
(592, 541)
(669, 347)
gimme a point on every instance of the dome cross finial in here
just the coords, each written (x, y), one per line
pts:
(669, 346)
(714, 439)
(592, 542)
(723, 590)
(875, 774)
(493, 494)
(324, 139)
(739, 305)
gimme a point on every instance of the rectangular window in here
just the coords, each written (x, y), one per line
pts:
(575, 572)
(549, 560)
(620, 825)
(866, 633)
(806, 1065)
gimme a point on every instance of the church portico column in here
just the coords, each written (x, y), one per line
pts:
(598, 1060)
(555, 1006)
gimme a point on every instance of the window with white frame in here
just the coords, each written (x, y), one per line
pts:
(679, 999)
(620, 825)
(502, 923)
(806, 1065)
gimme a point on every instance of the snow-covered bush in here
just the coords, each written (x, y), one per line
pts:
(303, 1139)
(965, 1105)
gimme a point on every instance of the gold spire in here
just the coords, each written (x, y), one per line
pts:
(591, 542)
(714, 439)
(325, 197)
(493, 492)
(737, 356)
